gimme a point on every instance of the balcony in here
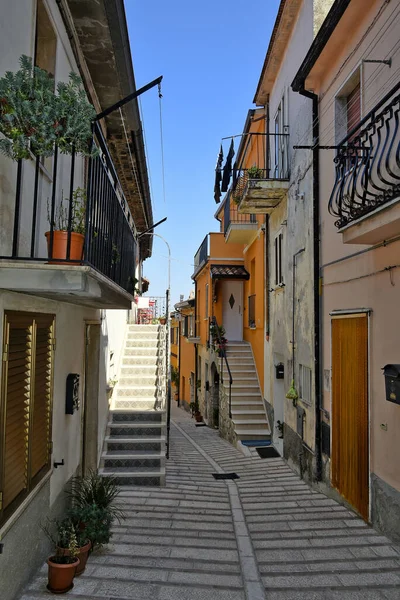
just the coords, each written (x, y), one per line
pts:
(366, 194)
(214, 250)
(101, 273)
(201, 256)
(238, 228)
(260, 188)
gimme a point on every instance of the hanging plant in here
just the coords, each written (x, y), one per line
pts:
(33, 118)
(28, 112)
(292, 393)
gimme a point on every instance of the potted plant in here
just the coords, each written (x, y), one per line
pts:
(62, 566)
(68, 530)
(35, 118)
(175, 380)
(254, 173)
(95, 496)
(221, 346)
(61, 222)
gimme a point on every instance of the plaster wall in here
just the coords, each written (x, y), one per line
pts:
(293, 218)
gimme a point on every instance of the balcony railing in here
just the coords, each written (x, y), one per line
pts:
(368, 163)
(233, 217)
(202, 253)
(106, 223)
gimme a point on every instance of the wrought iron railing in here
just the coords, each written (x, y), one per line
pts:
(105, 220)
(222, 352)
(201, 255)
(252, 310)
(233, 217)
(368, 163)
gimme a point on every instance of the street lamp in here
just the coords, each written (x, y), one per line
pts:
(168, 357)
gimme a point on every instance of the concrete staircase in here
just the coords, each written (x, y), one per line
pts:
(134, 446)
(248, 413)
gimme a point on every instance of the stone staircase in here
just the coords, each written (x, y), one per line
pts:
(134, 446)
(248, 413)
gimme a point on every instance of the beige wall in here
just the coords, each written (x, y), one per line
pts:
(358, 282)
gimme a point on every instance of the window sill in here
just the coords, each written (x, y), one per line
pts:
(21, 508)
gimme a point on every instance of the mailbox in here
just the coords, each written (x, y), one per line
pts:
(280, 371)
(392, 383)
(72, 394)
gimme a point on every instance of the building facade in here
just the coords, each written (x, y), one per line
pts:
(62, 318)
(352, 70)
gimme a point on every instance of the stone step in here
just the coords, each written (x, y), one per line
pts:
(135, 416)
(135, 403)
(142, 335)
(139, 360)
(143, 391)
(138, 380)
(139, 369)
(135, 327)
(243, 388)
(251, 424)
(155, 477)
(244, 433)
(151, 343)
(238, 370)
(246, 413)
(153, 352)
(114, 441)
(246, 407)
(131, 462)
(138, 429)
(245, 394)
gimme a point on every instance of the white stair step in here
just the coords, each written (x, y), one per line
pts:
(117, 473)
(135, 424)
(246, 431)
(236, 411)
(133, 438)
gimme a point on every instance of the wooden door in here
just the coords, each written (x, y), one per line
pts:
(350, 448)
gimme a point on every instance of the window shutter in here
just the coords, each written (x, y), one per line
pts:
(16, 406)
(41, 421)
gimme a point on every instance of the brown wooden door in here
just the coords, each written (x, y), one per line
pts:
(350, 468)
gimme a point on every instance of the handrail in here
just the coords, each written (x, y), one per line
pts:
(223, 356)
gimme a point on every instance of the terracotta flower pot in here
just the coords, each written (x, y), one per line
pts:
(61, 576)
(83, 554)
(198, 417)
(60, 242)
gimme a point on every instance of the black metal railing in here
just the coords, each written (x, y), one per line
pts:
(100, 213)
(252, 310)
(201, 255)
(368, 163)
(216, 335)
(233, 217)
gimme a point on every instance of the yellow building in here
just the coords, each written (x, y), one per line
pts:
(183, 351)
(230, 282)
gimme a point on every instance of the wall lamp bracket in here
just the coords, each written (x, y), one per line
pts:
(58, 464)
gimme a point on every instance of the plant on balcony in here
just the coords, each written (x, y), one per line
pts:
(254, 173)
(60, 224)
(34, 118)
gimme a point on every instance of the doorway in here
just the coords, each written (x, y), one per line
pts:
(279, 405)
(232, 309)
(350, 443)
(90, 405)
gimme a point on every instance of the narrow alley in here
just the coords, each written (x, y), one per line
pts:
(263, 535)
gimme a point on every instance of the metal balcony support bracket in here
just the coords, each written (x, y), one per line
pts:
(128, 98)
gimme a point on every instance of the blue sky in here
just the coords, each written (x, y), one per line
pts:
(210, 54)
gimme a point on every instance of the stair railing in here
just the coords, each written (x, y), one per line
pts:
(222, 350)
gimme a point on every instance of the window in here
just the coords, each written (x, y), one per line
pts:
(206, 302)
(348, 107)
(46, 41)
(305, 384)
(191, 326)
(280, 145)
(252, 311)
(186, 326)
(279, 259)
(25, 406)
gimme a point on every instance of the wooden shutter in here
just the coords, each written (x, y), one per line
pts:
(16, 406)
(25, 414)
(41, 412)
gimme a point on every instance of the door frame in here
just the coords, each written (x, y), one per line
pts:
(225, 284)
(348, 314)
(91, 366)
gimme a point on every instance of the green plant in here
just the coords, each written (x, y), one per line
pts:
(94, 489)
(115, 255)
(254, 173)
(64, 536)
(93, 522)
(61, 214)
(28, 112)
(279, 426)
(174, 376)
(292, 393)
(33, 117)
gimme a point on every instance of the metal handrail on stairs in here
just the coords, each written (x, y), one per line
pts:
(223, 357)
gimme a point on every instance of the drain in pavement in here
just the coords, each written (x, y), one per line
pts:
(268, 452)
(225, 476)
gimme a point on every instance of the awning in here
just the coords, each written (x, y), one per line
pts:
(229, 272)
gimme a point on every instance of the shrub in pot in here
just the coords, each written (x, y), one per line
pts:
(63, 564)
(93, 522)
(66, 531)
(77, 206)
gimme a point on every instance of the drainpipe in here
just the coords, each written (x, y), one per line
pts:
(316, 277)
(195, 346)
(179, 358)
(267, 279)
(294, 311)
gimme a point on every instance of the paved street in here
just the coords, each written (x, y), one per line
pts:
(265, 535)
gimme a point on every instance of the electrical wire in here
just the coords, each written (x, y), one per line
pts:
(161, 141)
(388, 269)
(146, 151)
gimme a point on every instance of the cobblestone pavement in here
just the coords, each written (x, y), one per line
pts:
(266, 535)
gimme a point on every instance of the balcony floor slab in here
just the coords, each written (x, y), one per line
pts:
(80, 285)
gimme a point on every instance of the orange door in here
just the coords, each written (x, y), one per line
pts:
(350, 449)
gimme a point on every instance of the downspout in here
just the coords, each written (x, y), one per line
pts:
(316, 277)
(294, 312)
(179, 358)
(267, 279)
(195, 346)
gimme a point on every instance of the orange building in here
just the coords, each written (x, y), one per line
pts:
(183, 350)
(230, 290)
